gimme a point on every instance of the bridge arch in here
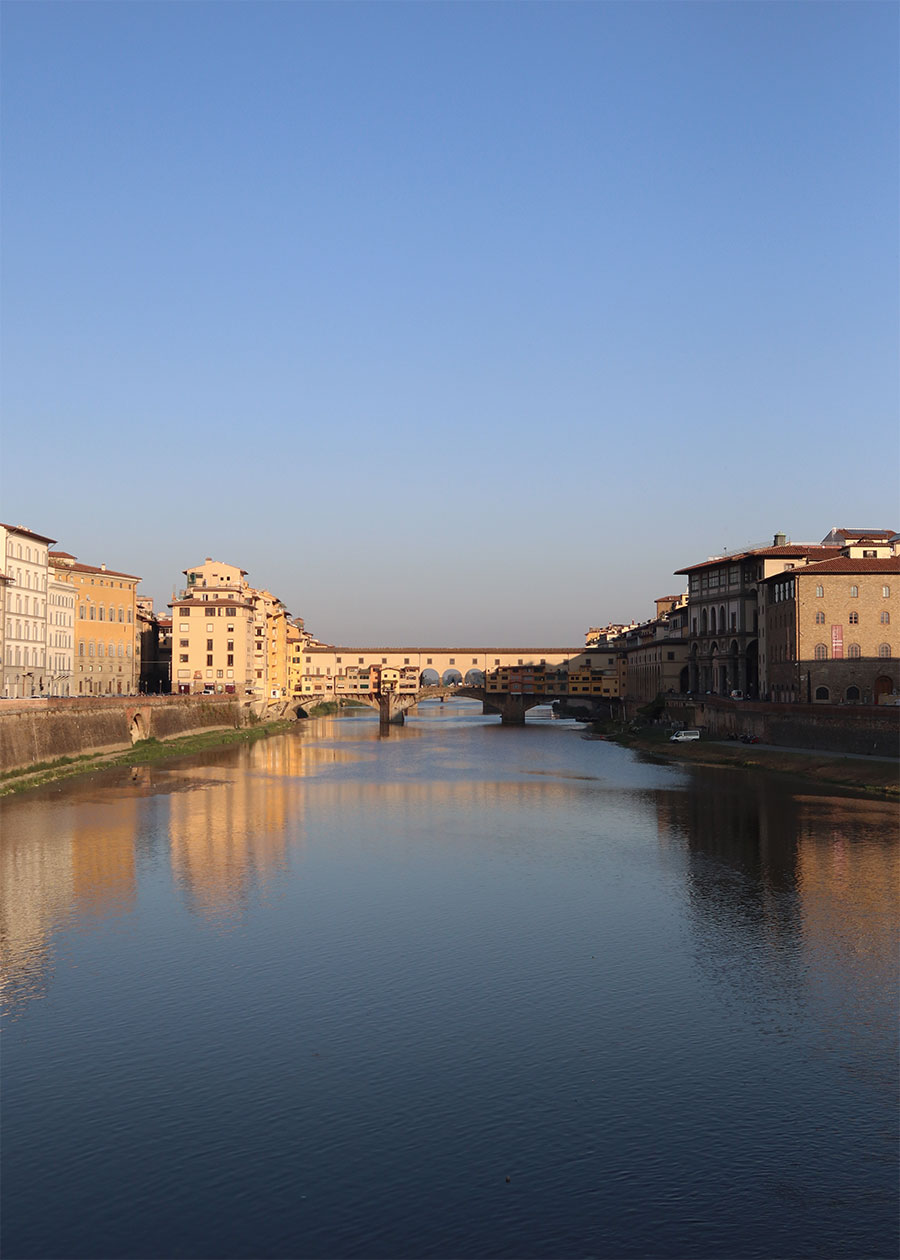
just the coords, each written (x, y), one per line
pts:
(474, 677)
(451, 676)
(429, 678)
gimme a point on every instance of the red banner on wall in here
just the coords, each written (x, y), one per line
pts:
(837, 642)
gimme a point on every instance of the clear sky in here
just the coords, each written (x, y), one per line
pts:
(448, 322)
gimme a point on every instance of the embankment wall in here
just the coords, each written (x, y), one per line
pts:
(829, 727)
(42, 730)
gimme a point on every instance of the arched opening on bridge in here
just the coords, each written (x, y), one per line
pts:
(451, 677)
(138, 728)
(429, 678)
(475, 678)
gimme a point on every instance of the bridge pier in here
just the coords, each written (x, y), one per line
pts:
(392, 710)
(512, 710)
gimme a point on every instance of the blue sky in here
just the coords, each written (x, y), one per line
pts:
(448, 321)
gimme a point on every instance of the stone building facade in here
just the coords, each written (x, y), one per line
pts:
(723, 613)
(831, 631)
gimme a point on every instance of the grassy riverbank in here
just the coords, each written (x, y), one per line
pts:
(858, 774)
(143, 753)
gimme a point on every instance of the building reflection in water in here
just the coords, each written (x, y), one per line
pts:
(58, 860)
(791, 896)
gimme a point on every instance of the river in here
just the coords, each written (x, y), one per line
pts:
(459, 991)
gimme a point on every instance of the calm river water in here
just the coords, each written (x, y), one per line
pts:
(462, 991)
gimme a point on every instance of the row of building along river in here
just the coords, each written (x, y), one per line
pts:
(456, 991)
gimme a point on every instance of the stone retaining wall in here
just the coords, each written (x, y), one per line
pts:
(830, 727)
(42, 730)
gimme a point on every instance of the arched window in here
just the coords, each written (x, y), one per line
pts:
(822, 693)
(852, 694)
(19, 552)
(129, 616)
(121, 649)
(81, 647)
(885, 618)
(820, 619)
(885, 592)
(121, 613)
(884, 649)
(703, 621)
(91, 648)
(101, 612)
(27, 553)
(820, 591)
(853, 651)
(821, 652)
(93, 612)
(854, 592)
(854, 619)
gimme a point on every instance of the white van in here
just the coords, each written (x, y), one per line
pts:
(682, 737)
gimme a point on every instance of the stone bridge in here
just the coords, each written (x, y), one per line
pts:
(392, 706)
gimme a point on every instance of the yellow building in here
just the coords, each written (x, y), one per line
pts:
(107, 654)
(213, 639)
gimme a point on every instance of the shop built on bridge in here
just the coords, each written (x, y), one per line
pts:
(508, 681)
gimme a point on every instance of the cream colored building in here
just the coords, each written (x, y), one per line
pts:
(61, 598)
(213, 632)
(26, 567)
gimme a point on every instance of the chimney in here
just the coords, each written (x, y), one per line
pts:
(780, 540)
(103, 568)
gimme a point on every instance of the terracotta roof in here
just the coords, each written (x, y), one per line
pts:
(460, 651)
(847, 564)
(210, 603)
(864, 533)
(788, 551)
(94, 568)
(60, 555)
(20, 529)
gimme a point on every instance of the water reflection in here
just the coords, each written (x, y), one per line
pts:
(645, 991)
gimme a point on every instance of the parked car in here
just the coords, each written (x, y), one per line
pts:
(682, 737)
(738, 695)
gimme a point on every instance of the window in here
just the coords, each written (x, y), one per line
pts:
(81, 647)
(93, 612)
(822, 693)
(101, 612)
(209, 644)
(230, 612)
(820, 591)
(183, 659)
(820, 619)
(209, 660)
(81, 612)
(852, 694)
(230, 660)
(183, 642)
(885, 592)
(185, 612)
(854, 619)
(129, 617)
(821, 652)
(853, 651)
(885, 618)
(121, 614)
(854, 592)
(884, 649)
